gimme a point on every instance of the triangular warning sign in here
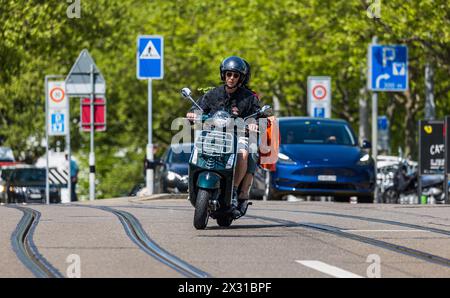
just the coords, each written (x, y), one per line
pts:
(150, 52)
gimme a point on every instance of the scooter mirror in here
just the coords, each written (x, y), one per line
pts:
(186, 92)
(267, 111)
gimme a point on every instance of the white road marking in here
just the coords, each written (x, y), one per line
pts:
(385, 231)
(328, 269)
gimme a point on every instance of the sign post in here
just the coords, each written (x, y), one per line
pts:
(447, 156)
(387, 72)
(431, 149)
(85, 79)
(319, 97)
(150, 65)
(57, 114)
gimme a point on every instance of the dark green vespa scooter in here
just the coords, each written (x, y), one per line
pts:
(212, 165)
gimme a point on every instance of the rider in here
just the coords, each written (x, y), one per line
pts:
(239, 101)
(251, 166)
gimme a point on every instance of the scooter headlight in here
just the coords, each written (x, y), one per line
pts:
(221, 119)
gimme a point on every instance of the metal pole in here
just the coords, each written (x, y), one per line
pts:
(92, 153)
(375, 129)
(149, 172)
(47, 190)
(430, 106)
(447, 161)
(419, 173)
(69, 152)
(375, 135)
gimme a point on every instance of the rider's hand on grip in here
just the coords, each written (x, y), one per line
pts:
(191, 116)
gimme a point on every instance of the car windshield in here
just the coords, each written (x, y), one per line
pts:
(182, 157)
(30, 175)
(6, 154)
(316, 132)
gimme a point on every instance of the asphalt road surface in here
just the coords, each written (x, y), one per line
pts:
(130, 237)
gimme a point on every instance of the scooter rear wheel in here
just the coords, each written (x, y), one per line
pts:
(201, 210)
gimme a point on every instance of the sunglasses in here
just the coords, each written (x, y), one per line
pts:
(230, 74)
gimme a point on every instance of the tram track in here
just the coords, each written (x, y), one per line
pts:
(24, 247)
(137, 234)
(418, 254)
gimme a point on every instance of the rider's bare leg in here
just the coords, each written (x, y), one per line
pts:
(241, 167)
(245, 186)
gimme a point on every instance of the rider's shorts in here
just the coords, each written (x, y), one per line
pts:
(252, 157)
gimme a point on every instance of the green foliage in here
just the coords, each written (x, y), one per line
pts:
(284, 41)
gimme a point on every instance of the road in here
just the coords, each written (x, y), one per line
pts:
(130, 237)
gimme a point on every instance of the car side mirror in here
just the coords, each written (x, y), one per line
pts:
(366, 144)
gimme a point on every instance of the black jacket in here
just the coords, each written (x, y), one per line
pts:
(218, 99)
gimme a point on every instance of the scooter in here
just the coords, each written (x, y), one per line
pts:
(212, 167)
(405, 187)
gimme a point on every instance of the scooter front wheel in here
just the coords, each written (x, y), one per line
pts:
(224, 221)
(201, 210)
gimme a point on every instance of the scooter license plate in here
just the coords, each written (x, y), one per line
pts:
(326, 178)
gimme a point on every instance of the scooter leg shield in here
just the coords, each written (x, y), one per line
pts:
(208, 180)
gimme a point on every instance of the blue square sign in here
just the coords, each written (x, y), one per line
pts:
(388, 68)
(319, 112)
(150, 57)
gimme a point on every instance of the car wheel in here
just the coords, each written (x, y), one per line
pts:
(365, 199)
(342, 199)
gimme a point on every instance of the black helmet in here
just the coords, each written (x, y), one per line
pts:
(249, 74)
(236, 64)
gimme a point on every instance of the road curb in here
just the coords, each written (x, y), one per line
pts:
(160, 197)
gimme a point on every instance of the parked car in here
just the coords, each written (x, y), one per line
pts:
(27, 185)
(321, 157)
(172, 174)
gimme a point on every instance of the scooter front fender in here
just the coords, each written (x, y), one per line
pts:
(208, 180)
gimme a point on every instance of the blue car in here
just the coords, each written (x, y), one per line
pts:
(321, 157)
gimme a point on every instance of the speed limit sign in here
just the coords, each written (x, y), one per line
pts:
(57, 95)
(58, 108)
(319, 97)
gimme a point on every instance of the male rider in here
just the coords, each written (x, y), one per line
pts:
(241, 102)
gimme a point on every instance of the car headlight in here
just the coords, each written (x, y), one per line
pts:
(171, 176)
(364, 160)
(2, 188)
(283, 158)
